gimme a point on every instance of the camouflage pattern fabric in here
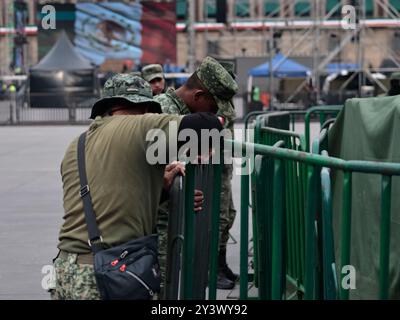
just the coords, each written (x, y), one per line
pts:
(230, 67)
(217, 80)
(152, 71)
(229, 114)
(74, 281)
(128, 87)
(136, 74)
(171, 103)
(227, 209)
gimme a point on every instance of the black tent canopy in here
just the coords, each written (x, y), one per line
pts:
(63, 56)
(63, 77)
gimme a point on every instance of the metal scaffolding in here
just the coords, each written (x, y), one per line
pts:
(313, 25)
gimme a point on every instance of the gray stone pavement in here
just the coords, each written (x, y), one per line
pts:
(4, 111)
(31, 207)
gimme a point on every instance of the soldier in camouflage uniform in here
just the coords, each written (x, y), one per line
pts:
(119, 176)
(227, 209)
(209, 89)
(154, 74)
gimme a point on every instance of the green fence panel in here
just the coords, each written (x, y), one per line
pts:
(308, 245)
(175, 238)
(194, 235)
(384, 253)
(323, 112)
(189, 243)
(278, 241)
(215, 231)
(345, 241)
(244, 232)
(328, 250)
(294, 182)
(314, 163)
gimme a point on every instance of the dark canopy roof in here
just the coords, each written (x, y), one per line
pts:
(63, 56)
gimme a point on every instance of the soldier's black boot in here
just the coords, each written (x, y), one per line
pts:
(226, 278)
(224, 283)
(230, 274)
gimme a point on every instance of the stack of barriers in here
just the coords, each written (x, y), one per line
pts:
(295, 243)
(302, 239)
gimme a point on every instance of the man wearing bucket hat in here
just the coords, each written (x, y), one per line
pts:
(125, 188)
(123, 90)
(209, 89)
(154, 74)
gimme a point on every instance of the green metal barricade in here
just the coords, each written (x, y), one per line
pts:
(293, 186)
(192, 255)
(322, 113)
(321, 285)
(291, 207)
(271, 136)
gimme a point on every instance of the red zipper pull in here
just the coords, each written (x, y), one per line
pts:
(114, 263)
(122, 268)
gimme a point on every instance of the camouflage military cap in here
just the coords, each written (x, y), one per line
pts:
(127, 87)
(152, 71)
(395, 76)
(230, 67)
(136, 73)
(217, 81)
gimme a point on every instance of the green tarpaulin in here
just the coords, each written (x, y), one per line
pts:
(368, 129)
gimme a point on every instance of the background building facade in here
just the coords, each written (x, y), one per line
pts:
(256, 28)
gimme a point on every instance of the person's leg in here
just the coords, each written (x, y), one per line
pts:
(224, 265)
(74, 281)
(226, 222)
(84, 286)
(63, 280)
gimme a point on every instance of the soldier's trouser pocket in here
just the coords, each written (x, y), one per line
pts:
(74, 281)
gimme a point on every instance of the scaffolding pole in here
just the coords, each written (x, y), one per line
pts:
(360, 53)
(192, 35)
(316, 51)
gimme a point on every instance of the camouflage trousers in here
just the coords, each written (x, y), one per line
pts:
(74, 281)
(227, 210)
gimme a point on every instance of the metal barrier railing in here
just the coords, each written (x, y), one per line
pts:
(292, 206)
(316, 164)
(321, 112)
(12, 112)
(192, 260)
(263, 195)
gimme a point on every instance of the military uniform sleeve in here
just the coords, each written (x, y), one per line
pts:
(167, 104)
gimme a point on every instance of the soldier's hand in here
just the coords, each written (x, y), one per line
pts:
(171, 170)
(198, 200)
